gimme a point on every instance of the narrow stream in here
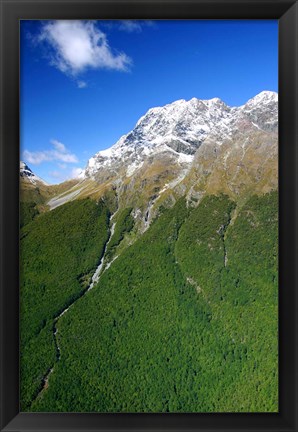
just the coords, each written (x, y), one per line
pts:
(95, 278)
(97, 273)
(225, 253)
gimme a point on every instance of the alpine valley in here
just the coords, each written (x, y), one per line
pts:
(150, 282)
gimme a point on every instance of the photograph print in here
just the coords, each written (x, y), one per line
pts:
(149, 216)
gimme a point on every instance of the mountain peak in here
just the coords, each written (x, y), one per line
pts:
(27, 173)
(264, 97)
(213, 101)
(176, 131)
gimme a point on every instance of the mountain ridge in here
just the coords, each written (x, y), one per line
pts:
(186, 148)
(181, 127)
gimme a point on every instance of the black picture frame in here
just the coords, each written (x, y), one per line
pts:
(286, 11)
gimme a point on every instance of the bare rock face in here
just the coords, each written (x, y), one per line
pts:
(179, 129)
(202, 145)
(188, 148)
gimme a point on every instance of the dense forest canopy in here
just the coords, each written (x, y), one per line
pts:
(184, 320)
(59, 253)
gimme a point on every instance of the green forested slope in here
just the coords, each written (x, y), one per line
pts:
(59, 252)
(28, 212)
(185, 320)
(242, 293)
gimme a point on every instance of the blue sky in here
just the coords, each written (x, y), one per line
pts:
(84, 84)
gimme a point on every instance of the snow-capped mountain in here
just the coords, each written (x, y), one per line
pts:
(27, 174)
(186, 148)
(177, 130)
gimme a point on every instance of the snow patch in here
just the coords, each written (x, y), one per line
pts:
(26, 172)
(133, 168)
(187, 122)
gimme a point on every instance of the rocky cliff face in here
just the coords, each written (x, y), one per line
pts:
(186, 148)
(191, 148)
(179, 129)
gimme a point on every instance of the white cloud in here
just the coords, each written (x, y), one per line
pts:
(80, 45)
(81, 84)
(130, 26)
(62, 176)
(135, 26)
(59, 153)
(59, 146)
(77, 172)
